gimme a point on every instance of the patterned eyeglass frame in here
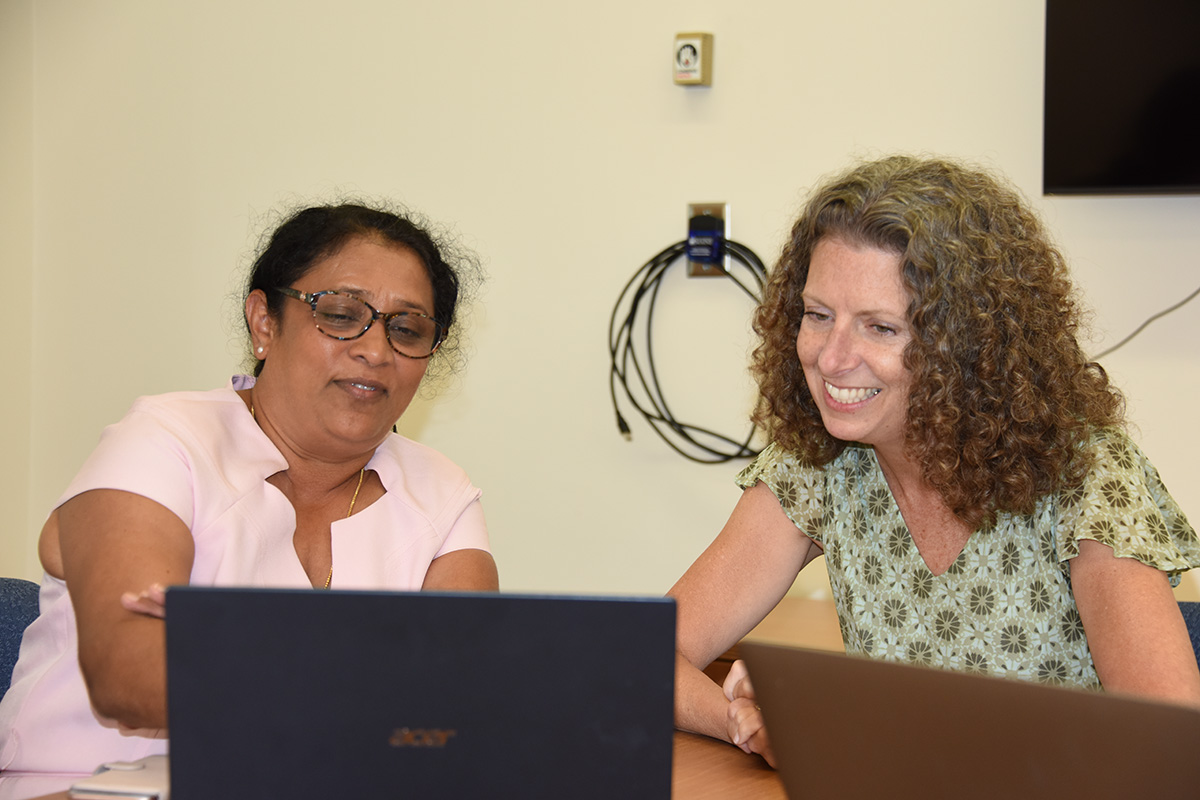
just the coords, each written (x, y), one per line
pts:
(439, 331)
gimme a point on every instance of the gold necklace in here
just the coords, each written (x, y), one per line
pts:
(362, 472)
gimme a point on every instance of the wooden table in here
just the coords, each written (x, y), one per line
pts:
(705, 768)
(702, 768)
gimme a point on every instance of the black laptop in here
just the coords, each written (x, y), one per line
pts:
(322, 694)
(853, 728)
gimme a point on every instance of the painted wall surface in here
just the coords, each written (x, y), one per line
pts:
(155, 140)
(17, 542)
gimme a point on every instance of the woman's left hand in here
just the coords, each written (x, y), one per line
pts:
(152, 601)
(745, 720)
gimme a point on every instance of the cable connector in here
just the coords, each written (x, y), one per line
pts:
(623, 427)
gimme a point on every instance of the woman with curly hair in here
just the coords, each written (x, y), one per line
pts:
(940, 437)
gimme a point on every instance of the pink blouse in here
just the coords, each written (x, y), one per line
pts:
(202, 456)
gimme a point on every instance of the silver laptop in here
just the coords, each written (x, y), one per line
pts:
(844, 727)
(319, 694)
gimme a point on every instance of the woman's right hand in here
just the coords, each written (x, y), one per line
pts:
(744, 718)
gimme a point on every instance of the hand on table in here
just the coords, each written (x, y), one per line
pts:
(744, 722)
(152, 602)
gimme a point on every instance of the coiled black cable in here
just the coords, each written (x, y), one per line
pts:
(638, 298)
(1143, 326)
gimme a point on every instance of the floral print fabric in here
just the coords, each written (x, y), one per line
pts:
(1005, 606)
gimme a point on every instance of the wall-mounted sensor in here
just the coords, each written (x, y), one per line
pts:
(693, 59)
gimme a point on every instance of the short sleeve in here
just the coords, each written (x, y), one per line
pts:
(141, 456)
(469, 531)
(799, 489)
(1123, 504)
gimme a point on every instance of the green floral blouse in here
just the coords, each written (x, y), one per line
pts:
(1005, 606)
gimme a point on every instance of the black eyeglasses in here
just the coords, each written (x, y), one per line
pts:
(343, 316)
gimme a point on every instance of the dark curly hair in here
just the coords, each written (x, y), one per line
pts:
(311, 234)
(1003, 399)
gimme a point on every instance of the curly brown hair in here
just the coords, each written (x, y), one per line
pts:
(1003, 399)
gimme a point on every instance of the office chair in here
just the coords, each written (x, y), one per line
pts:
(1191, 615)
(18, 608)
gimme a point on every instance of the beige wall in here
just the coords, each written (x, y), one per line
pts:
(550, 135)
(17, 554)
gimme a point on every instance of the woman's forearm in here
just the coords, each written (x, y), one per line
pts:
(700, 705)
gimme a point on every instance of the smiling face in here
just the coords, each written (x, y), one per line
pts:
(851, 343)
(326, 397)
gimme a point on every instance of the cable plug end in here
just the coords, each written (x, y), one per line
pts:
(623, 427)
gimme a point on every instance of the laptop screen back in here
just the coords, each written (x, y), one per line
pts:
(850, 727)
(306, 694)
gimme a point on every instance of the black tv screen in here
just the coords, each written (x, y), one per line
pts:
(1122, 100)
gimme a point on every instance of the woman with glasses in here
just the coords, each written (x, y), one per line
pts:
(290, 478)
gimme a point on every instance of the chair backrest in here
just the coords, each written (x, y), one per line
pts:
(1191, 615)
(18, 608)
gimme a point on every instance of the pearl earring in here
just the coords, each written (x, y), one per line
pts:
(260, 351)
